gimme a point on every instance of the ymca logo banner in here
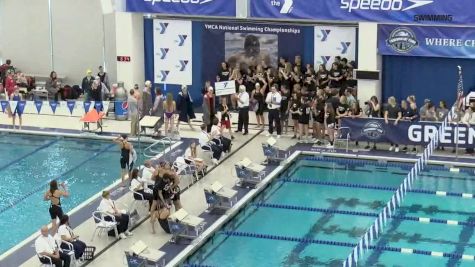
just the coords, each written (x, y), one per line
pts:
(173, 52)
(426, 41)
(409, 133)
(333, 41)
(225, 8)
(400, 11)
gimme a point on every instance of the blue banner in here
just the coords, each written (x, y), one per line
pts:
(71, 105)
(53, 105)
(402, 11)
(87, 106)
(409, 133)
(426, 41)
(4, 105)
(38, 105)
(224, 8)
(21, 106)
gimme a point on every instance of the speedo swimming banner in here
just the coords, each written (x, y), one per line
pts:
(448, 12)
(184, 7)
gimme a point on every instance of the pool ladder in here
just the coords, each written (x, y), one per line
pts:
(163, 145)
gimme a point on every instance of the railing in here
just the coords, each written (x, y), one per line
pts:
(160, 146)
(374, 231)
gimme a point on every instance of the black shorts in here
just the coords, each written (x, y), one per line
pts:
(55, 211)
(304, 120)
(260, 108)
(295, 117)
(124, 162)
(176, 196)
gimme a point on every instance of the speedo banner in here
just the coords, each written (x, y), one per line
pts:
(401, 11)
(409, 133)
(225, 8)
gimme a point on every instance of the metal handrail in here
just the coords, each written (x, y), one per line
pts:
(165, 143)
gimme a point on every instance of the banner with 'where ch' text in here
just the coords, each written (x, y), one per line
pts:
(224, 8)
(409, 133)
(426, 41)
(172, 51)
(332, 41)
(459, 12)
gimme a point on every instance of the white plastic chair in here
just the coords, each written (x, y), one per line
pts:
(102, 225)
(136, 202)
(50, 264)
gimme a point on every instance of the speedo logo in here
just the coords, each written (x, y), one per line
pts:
(385, 5)
(199, 2)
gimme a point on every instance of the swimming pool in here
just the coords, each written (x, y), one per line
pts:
(316, 212)
(29, 162)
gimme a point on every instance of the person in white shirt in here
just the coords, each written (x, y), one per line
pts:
(205, 143)
(218, 138)
(273, 101)
(107, 205)
(67, 234)
(147, 174)
(46, 246)
(142, 191)
(243, 105)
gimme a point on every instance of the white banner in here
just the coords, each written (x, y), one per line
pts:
(332, 41)
(225, 88)
(173, 51)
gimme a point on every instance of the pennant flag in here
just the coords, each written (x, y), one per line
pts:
(71, 104)
(87, 105)
(53, 105)
(13, 105)
(105, 105)
(21, 106)
(4, 105)
(38, 105)
(98, 105)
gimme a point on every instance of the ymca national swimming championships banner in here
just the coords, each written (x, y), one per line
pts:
(426, 41)
(223, 8)
(409, 133)
(402, 11)
(248, 44)
(331, 41)
(172, 51)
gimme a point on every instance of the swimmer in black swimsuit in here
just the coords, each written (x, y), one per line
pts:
(54, 195)
(125, 148)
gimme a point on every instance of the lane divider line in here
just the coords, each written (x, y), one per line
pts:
(363, 214)
(377, 187)
(348, 244)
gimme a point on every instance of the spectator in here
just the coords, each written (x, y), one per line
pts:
(5, 69)
(225, 118)
(430, 114)
(350, 98)
(223, 73)
(18, 111)
(133, 113)
(373, 108)
(342, 109)
(147, 102)
(423, 110)
(392, 112)
(284, 108)
(108, 205)
(10, 84)
(206, 144)
(53, 85)
(67, 234)
(209, 108)
(442, 111)
(318, 115)
(169, 108)
(336, 77)
(185, 108)
(258, 94)
(304, 118)
(469, 119)
(103, 76)
(273, 101)
(218, 138)
(87, 85)
(157, 109)
(243, 106)
(294, 112)
(141, 191)
(96, 91)
(45, 246)
(322, 77)
(409, 113)
(330, 123)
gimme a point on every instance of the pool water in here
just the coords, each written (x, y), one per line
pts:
(28, 163)
(260, 235)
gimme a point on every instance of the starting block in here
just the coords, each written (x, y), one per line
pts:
(184, 225)
(249, 173)
(220, 197)
(272, 152)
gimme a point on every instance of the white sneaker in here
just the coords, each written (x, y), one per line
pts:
(397, 149)
(127, 233)
(278, 136)
(391, 148)
(268, 134)
(330, 146)
(122, 236)
(215, 161)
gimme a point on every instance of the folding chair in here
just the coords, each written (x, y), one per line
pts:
(136, 202)
(50, 264)
(102, 225)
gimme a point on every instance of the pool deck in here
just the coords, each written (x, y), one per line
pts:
(110, 251)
